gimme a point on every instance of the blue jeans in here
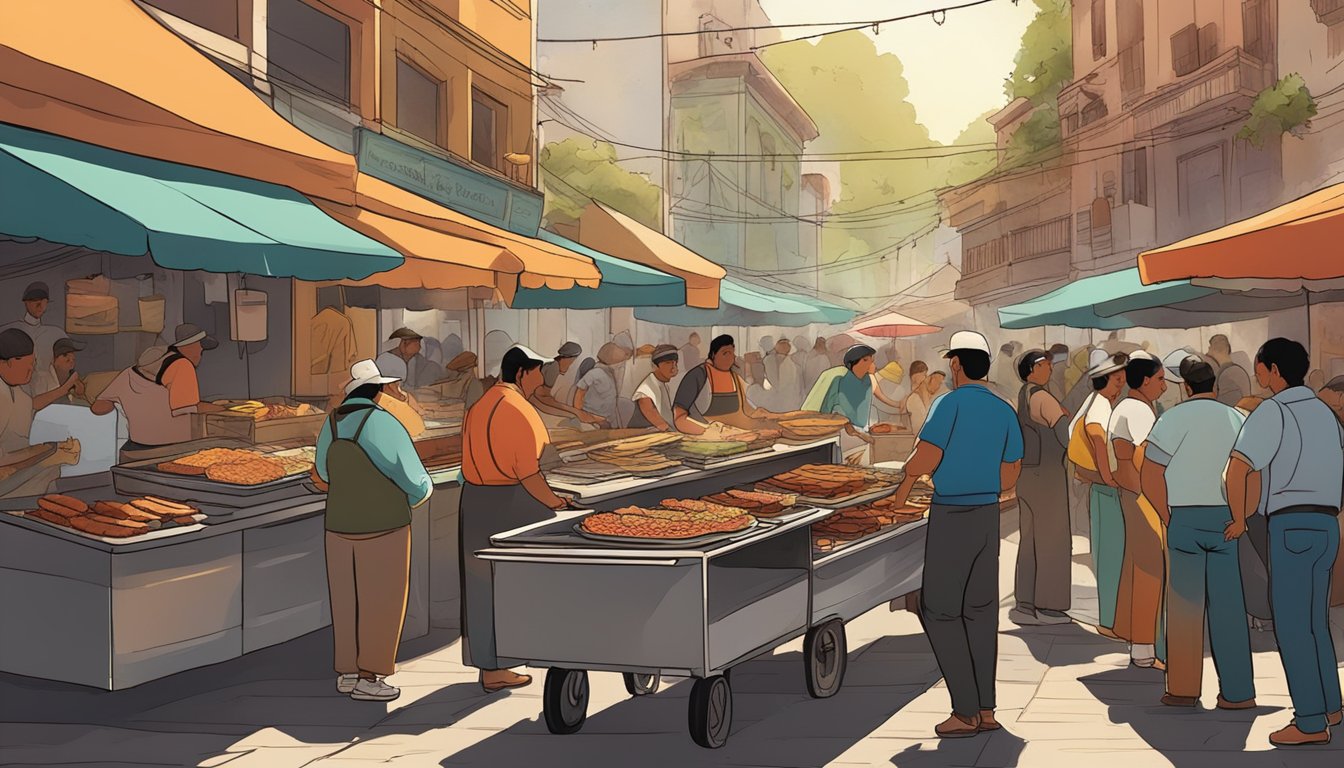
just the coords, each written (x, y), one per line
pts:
(1205, 577)
(1108, 549)
(1302, 549)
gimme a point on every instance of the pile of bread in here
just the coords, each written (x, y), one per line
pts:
(114, 519)
(672, 519)
(849, 525)
(235, 466)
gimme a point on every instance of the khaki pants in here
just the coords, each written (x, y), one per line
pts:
(1143, 575)
(368, 576)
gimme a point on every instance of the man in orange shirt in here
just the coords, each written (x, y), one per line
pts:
(178, 371)
(503, 489)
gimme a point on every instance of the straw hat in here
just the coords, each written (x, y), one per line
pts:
(892, 372)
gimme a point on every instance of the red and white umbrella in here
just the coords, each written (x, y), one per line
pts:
(893, 325)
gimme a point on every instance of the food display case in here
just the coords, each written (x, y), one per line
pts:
(227, 480)
(260, 422)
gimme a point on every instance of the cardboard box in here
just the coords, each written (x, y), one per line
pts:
(242, 426)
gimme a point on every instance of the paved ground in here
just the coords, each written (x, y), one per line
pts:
(1066, 695)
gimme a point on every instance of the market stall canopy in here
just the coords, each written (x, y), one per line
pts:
(1099, 302)
(447, 249)
(107, 73)
(609, 231)
(624, 284)
(186, 218)
(741, 305)
(893, 325)
(1297, 241)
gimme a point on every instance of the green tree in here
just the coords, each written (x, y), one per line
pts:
(1043, 66)
(579, 169)
(1285, 107)
(859, 101)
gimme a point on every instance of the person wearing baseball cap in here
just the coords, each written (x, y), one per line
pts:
(178, 371)
(653, 398)
(1138, 613)
(373, 478)
(552, 397)
(971, 445)
(1044, 554)
(1182, 478)
(503, 489)
(36, 302)
(59, 383)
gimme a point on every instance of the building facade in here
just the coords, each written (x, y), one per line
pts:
(685, 98)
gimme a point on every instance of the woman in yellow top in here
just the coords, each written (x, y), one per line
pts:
(503, 489)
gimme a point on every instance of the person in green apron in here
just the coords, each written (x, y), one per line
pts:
(374, 478)
(503, 489)
(713, 391)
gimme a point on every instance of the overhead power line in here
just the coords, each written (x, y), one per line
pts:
(846, 26)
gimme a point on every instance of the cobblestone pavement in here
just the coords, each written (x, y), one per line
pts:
(1067, 698)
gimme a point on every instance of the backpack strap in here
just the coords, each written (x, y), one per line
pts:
(173, 357)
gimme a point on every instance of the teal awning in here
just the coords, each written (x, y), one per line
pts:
(624, 284)
(1105, 302)
(186, 218)
(742, 305)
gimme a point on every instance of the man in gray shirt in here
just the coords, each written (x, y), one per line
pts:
(1292, 449)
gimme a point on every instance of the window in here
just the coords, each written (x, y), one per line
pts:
(489, 122)
(1094, 110)
(308, 49)
(1098, 29)
(418, 107)
(1258, 30)
(1208, 44)
(1199, 184)
(1136, 176)
(218, 16)
(1185, 50)
(1328, 12)
(1129, 30)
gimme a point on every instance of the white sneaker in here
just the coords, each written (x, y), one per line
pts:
(374, 690)
(346, 683)
(1143, 654)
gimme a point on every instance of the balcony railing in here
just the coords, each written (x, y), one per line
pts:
(1053, 236)
(1234, 73)
(1328, 12)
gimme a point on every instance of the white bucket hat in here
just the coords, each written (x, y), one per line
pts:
(366, 372)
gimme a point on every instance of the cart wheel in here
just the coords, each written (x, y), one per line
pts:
(565, 700)
(711, 711)
(641, 685)
(825, 657)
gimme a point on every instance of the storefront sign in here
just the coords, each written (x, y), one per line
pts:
(456, 186)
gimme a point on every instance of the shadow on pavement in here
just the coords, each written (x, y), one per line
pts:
(197, 715)
(775, 722)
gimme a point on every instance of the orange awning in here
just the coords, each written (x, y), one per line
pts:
(445, 249)
(539, 264)
(107, 73)
(608, 231)
(1295, 241)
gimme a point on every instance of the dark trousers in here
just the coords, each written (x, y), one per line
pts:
(1302, 549)
(961, 601)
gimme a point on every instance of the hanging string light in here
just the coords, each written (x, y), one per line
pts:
(939, 16)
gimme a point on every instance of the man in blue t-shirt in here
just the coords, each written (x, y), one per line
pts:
(971, 445)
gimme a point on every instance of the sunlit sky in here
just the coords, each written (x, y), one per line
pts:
(956, 70)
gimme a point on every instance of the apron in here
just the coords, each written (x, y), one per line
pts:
(488, 510)
(360, 499)
(726, 407)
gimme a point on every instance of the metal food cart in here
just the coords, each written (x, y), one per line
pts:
(650, 610)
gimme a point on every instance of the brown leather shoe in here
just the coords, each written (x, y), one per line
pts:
(1292, 737)
(494, 680)
(957, 727)
(1234, 705)
(1104, 632)
(987, 721)
(1334, 718)
(1172, 700)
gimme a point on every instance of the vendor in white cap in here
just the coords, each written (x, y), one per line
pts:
(36, 302)
(503, 489)
(374, 478)
(1092, 464)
